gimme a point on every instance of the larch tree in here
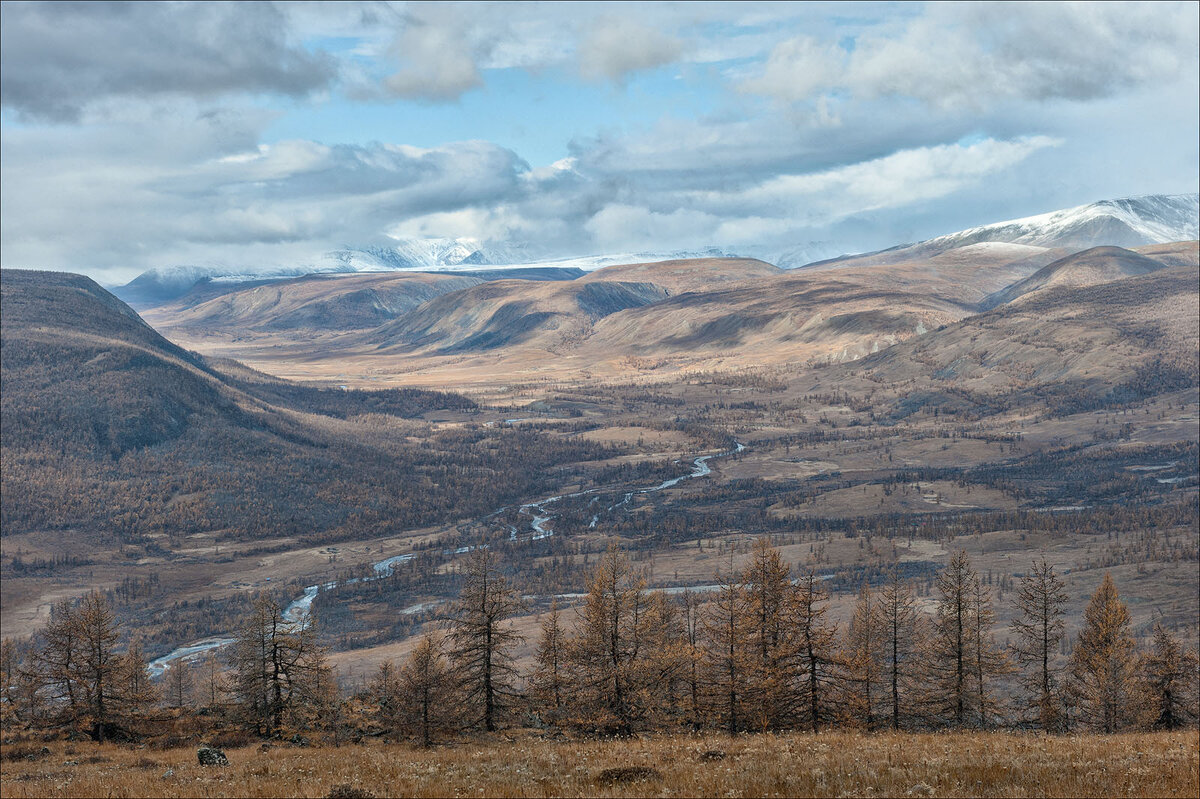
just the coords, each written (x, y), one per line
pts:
(99, 665)
(384, 691)
(819, 667)
(210, 687)
(280, 673)
(1169, 673)
(481, 641)
(692, 652)
(548, 683)
(609, 647)
(729, 656)
(1038, 626)
(1103, 665)
(140, 693)
(767, 589)
(58, 657)
(178, 684)
(863, 657)
(901, 642)
(427, 691)
(989, 661)
(949, 655)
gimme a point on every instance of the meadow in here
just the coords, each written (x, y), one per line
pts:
(524, 763)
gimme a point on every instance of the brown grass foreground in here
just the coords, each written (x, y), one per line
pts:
(835, 764)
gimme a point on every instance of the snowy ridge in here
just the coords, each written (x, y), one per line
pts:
(1133, 221)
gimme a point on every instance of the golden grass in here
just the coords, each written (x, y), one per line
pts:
(524, 764)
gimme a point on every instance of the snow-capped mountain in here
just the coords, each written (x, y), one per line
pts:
(443, 255)
(1127, 222)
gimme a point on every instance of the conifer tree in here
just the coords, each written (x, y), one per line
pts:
(771, 675)
(819, 666)
(988, 661)
(728, 660)
(384, 691)
(58, 658)
(1169, 672)
(692, 653)
(427, 691)
(178, 684)
(949, 660)
(482, 639)
(548, 684)
(611, 641)
(140, 694)
(1039, 629)
(863, 658)
(99, 666)
(902, 640)
(1103, 667)
(280, 673)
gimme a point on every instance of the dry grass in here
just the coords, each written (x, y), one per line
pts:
(524, 764)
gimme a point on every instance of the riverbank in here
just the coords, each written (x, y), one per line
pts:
(522, 763)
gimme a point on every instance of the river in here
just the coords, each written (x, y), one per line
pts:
(297, 611)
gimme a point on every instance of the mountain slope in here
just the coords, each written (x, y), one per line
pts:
(693, 274)
(1087, 268)
(1075, 347)
(315, 302)
(1128, 222)
(509, 313)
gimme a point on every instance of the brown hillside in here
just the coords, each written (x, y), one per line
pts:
(1087, 268)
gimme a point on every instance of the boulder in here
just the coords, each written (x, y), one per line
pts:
(211, 756)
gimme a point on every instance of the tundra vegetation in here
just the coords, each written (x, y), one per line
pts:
(757, 655)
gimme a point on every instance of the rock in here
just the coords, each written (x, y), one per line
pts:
(627, 774)
(211, 756)
(265, 746)
(347, 791)
(920, 789)
(712, 754)
(168, 774)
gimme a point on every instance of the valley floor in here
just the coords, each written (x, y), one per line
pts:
(523, 763)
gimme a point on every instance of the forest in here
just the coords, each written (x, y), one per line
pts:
(755, 653)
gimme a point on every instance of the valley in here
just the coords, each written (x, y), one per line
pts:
(871, 414)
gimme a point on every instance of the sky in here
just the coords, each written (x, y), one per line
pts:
(258, 135)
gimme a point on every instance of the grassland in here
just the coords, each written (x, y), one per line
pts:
(526, 764)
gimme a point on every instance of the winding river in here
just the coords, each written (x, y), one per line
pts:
(298, 609)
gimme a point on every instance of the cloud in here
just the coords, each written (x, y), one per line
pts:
(976, 54)
(615, 47)
(57, 59)
(438, 61)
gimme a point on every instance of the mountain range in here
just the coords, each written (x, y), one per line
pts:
(1128, 222)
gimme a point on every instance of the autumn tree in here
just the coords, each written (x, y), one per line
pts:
(691, 630)
(819, 665)
(1103, 665)
(1038, 626)
(140, 693)
(210, 686)
(428, 690)
(863, 656)
(728, 661)
(178, 683)
(482, 640)
(548, 683)
(615, 690)
(280, 673)
(988, 660)
(58, 658)
(950, 647)
(99, 667)
(767, 591)
(902, 640)
(1170, 677)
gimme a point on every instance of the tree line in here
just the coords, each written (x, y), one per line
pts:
(755, 652)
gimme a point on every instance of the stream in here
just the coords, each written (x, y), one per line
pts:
(297, 611)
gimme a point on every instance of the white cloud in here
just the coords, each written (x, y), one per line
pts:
(614, 47)
(973, 55)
